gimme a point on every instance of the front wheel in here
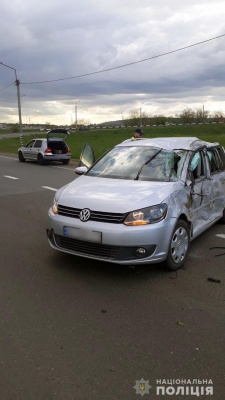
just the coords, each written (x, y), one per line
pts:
(179, 246)
(21, 157)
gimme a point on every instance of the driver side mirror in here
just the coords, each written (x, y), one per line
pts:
(80, 170)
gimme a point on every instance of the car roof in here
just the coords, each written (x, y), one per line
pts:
(170, 143)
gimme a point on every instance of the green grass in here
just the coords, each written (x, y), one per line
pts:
(103, 139)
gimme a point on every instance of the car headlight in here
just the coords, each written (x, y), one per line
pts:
(149, 215)
(55, 206)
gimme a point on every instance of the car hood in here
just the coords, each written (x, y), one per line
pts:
(113, 195)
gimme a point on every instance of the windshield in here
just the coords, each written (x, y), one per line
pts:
(140, 163)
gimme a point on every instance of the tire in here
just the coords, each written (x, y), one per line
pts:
(21, 157)
(179, 246)
(40, 159)
(65, 162)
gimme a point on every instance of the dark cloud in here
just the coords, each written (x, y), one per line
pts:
(54, 40)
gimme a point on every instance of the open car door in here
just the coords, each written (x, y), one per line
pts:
(58, 133)
(87, 157)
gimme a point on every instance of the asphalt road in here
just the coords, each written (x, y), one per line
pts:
(77, 329)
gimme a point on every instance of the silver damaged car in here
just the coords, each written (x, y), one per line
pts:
(143, 202)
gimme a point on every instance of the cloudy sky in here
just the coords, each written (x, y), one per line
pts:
(88, 54)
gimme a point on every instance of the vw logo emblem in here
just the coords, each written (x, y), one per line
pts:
(85, 214)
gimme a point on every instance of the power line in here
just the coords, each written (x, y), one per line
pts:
(123, 65)
(7, 86)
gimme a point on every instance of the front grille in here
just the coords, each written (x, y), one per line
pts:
(113, 218)
(89, 248)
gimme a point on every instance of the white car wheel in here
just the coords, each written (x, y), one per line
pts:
(179, 246)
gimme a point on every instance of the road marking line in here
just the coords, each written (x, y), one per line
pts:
(10, 177)
(221, 235)
(10, 158)
(70, 169)
(49, 188)
(54, 166)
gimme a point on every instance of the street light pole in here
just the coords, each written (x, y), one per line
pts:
(76, 113)
(17, 83)
(203, 112)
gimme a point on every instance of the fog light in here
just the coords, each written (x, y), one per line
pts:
(140, 251)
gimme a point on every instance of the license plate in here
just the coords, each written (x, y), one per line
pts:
(58, 151)
(83, 234)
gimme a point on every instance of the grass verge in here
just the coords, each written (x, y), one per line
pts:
(104, 139)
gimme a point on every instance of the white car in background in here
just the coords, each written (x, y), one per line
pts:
(53, 148)
(141, 203)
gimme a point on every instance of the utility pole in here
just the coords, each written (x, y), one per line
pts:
(17, 83)
(19, 109)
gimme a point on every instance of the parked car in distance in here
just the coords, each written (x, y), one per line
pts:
(143, 202)
(53, 148)
(84, 128)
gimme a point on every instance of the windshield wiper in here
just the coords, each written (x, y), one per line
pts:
(146, 162)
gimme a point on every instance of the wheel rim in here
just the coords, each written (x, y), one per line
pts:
(179, 245)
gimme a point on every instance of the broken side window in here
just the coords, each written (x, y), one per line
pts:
(215, 160)
(197, 165)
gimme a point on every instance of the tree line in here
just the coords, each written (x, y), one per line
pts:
(187, 116)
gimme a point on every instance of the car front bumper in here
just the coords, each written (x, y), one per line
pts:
(116, 243)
